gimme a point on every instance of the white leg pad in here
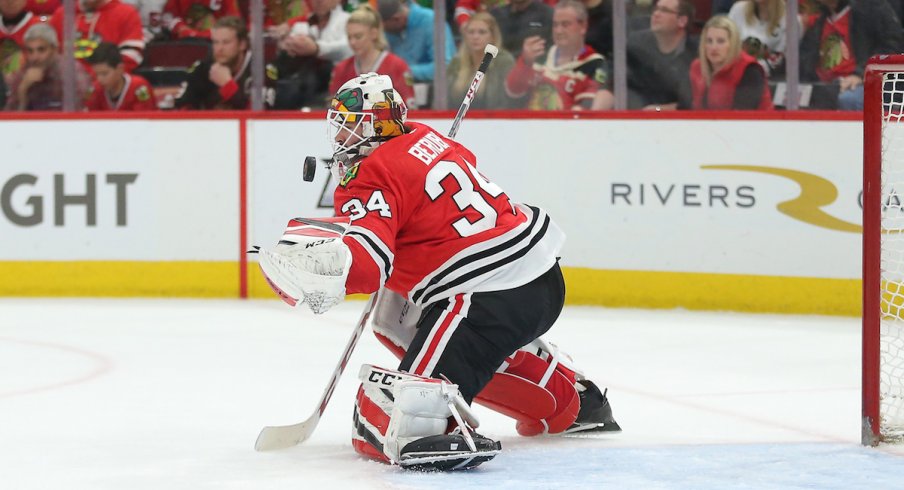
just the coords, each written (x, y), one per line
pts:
(421, 408)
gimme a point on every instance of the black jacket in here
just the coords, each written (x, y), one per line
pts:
(874, 27)
(657, 78)
(198, 92)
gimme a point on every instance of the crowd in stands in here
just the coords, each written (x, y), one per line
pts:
(555, 54)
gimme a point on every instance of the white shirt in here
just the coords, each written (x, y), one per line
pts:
(332, 41)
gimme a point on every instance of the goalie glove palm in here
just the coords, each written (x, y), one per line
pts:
(308, 269)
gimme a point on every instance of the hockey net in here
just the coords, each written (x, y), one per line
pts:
(883, 252)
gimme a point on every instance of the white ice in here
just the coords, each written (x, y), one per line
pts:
(170, 394)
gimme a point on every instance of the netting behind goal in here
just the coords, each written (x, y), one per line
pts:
(883, 314)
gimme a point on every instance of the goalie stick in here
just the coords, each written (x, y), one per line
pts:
(284, 436)
(489, 52)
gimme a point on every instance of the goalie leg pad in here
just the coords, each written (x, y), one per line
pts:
(405, 419)
(540, 394)
(371, 418)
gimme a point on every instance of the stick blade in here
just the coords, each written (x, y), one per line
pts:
(272, 438)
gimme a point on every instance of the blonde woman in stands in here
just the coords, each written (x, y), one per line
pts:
(724, 77)
(371, 54)
(478, 31)
(761, 25)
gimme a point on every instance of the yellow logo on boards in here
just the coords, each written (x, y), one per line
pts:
(815, 192)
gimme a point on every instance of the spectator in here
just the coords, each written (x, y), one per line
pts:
(369, 45)
(114, 89)
(840, 41)
(660, 57)
(223, 81)
(277, 14)
(409, 29)
(464, 9)
(477, 32)
(43, 8)
(39, 87)
(3, 91)
(308, 53)
(599, 26)
(520, 19)
(15, 20)
(725, 77)
(105, 20)
(724, 6)
(196, 18)
(152, 14)
(571, 75)
(761, 24)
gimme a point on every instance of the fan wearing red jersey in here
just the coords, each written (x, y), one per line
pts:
(105, 20)
(371, 54)
(15, 19)
(482, 271)
(195, 18)
(116, 90)
(568, 76)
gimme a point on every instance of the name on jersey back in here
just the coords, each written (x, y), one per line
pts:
(428, 148)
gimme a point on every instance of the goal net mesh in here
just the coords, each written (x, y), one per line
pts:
(891, 329)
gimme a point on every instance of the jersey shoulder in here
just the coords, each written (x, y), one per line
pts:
(404, 160)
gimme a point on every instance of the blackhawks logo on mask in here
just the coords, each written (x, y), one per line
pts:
(388, 120)
(348, 101)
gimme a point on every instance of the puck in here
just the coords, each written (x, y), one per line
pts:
(310, 166)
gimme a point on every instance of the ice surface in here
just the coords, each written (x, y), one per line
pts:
(170, 394)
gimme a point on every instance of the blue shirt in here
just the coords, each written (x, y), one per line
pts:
(415, 43)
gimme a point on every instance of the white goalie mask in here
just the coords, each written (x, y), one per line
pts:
(365, 112)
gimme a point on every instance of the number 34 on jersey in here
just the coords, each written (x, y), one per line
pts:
(467, 197)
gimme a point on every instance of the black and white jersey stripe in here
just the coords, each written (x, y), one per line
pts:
(509, 260)
(379, 252)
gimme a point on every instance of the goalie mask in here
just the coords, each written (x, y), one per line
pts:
(365, 112)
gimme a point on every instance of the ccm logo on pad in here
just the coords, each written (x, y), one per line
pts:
(382, 378)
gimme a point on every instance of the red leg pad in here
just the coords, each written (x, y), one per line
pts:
(374, 420)
(365, 449)
(516, 392)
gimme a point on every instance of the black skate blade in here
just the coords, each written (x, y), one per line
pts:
(446, 461)
(611, 427)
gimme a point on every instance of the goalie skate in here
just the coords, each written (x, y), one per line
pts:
(448, 452)
(595, 414)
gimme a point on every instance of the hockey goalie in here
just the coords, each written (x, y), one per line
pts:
(470, 281)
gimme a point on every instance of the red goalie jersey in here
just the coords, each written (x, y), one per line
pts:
(427, 224)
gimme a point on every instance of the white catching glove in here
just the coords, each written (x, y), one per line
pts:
(304, 268)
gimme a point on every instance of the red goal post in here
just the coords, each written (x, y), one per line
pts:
(883, 251)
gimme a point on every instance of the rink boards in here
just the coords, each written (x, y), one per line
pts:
(734, 214)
